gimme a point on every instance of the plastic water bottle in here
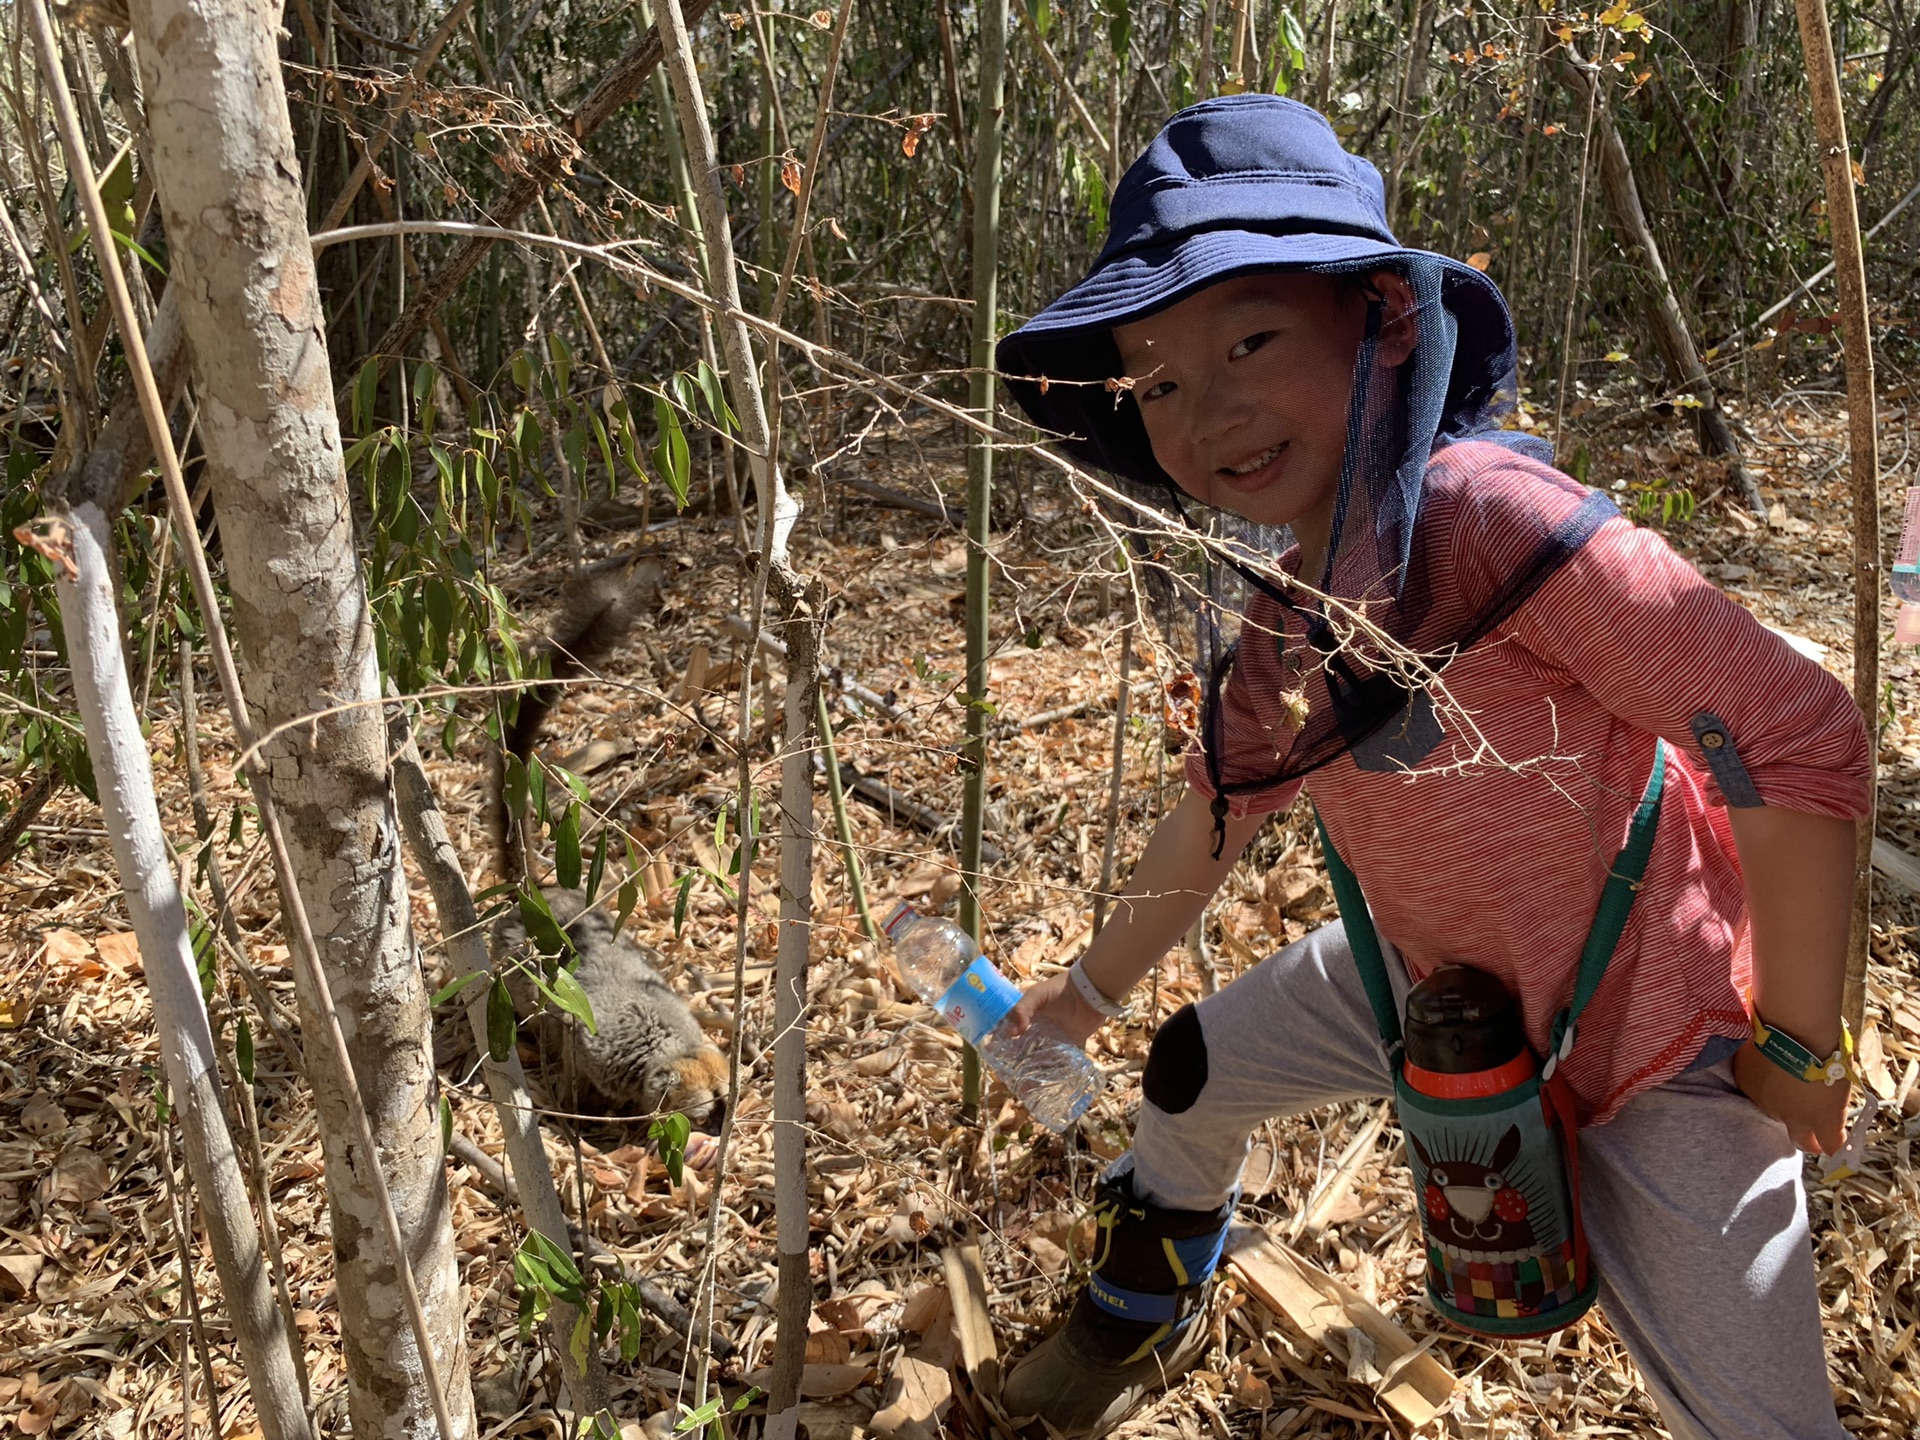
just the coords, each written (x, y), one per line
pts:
(1905, 575)
(1047, 1072)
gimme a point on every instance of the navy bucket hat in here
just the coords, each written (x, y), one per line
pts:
(1230, 187)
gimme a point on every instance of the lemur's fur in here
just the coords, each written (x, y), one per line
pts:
(646, 1053)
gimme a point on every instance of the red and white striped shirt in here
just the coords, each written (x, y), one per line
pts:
(1500, 865)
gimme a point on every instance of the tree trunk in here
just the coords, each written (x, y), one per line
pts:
(466, 943)
(1685, 371)
(160, 921)
(1856, 339)
(228, 181)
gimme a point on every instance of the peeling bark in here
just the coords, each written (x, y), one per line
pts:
(159, 919)
(229, 186)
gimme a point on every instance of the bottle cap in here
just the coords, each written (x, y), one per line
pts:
(1461, 1020)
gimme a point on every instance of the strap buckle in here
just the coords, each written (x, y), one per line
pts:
(1566, 1027)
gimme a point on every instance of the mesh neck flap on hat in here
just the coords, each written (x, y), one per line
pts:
(1250, 184)
(1391, 605)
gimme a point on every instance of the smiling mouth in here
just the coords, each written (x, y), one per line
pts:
(1254, 466)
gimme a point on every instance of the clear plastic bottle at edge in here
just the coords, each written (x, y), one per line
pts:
(1047, 1072)
(1905, 574)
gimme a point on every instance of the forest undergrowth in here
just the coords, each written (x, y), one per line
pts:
(95, 1328)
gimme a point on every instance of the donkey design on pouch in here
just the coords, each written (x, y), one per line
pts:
(1475, 1208)
(1496, 1245)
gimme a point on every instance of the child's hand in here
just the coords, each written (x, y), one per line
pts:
(1056, 999)
(1815, 1114)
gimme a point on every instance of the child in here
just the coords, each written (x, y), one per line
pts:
(1475, 711)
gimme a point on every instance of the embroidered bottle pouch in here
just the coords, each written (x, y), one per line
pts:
(1496, 1176)
(1496, 1180)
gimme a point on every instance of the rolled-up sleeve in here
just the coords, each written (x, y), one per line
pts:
(1640, 630)
(1255, 729)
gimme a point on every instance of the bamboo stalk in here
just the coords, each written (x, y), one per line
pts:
(980, 399)
(1117, 782)
(1856, 342)
(842, 824)
(1103, 142)
(801, 605)
(371, 150)
(616, 88)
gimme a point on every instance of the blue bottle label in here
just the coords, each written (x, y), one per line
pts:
(978, 1001)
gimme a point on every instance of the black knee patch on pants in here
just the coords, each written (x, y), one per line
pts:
(1177, 1064)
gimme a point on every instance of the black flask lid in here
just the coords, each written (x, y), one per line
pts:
(1460, 1020)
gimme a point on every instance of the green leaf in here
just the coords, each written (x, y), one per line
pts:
(629, 442)
(537, 787)
(489, 480)
(569, 1284)
(545, 932)
(697, 1419)
(575, 441)
(680, 902)
(530, 1310)
(562, 356)
(243, 1048)
(581, 790)
(514, 786)
(708, 379)
(565, 993)
(670, 455)
(501, 1024)
(139, 251)
(366, 388)
(629, 898)
(523, 373)
(606, 446)
(1294, 38)
(597, 869)
(424, 376)
(446, 1126)
(454, 987)
(582, 1340)
(670, 1132)
(630, 1327)
(566, 848)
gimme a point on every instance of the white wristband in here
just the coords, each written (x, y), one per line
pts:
(1091, 993)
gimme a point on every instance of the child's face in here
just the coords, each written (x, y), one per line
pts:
(1244, 389)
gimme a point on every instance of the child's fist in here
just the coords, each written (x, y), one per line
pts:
(1815, 1114)
(1056, 999)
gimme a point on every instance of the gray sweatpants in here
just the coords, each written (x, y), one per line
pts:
(1692, 1198)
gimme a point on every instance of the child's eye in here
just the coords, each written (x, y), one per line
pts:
(1247, 346)
(1156, 392)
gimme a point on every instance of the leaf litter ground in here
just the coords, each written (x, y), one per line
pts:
(93, 1330)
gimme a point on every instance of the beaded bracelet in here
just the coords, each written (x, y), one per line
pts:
(1091, 993)
(1798, 1061)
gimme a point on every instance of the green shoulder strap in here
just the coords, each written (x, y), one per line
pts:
(1363, 940)
(1610, 918)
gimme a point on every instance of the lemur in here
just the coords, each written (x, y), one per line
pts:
(646, 1053)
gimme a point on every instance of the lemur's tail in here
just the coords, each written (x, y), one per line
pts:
(595, 620)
